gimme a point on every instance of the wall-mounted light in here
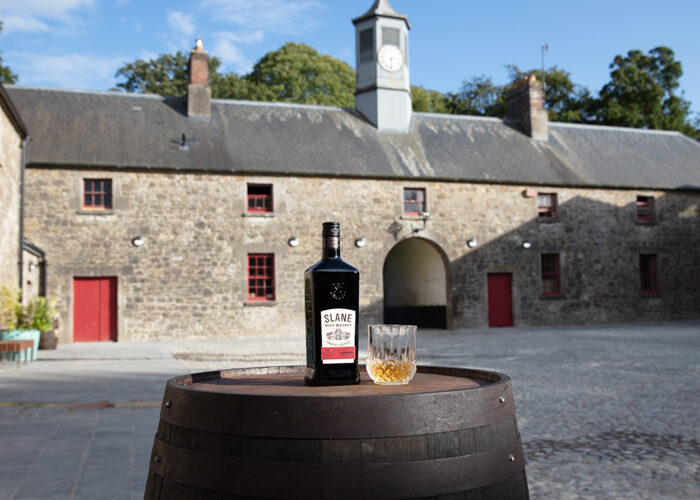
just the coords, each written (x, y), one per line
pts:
(526, 244)
(425, 214)
(360, 242)
(138, 241)
(293, 242)
(472, 243)
(32, 266)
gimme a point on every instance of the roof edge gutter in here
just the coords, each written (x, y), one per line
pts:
(22, 168)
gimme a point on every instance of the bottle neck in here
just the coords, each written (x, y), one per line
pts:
(331, 247)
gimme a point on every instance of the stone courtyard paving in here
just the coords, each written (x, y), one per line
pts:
(604, 411)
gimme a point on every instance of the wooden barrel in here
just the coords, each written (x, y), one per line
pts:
(262, 433)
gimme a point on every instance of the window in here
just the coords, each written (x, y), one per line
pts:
(546, 206)
(413, 201)
(97, 194)
(261, 277)
(551, 284)
(645, 209)
(259, 198)
(647, 272)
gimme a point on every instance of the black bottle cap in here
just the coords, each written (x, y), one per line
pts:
(331, 229)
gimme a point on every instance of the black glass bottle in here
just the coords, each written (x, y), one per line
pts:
(331, 293)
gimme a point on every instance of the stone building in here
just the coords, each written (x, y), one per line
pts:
(12, 143)
(166, 218)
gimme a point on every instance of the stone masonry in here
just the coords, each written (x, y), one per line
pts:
(10, 174)
(189, 279)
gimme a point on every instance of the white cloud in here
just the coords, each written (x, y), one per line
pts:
(75, 71)
(275, 16)
(181, 22)
(31, 15)
(13, 23)
(225, 48)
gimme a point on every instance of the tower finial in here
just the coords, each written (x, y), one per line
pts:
(381, 8)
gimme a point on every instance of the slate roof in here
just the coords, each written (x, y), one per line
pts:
(10, 111)
(118, 130)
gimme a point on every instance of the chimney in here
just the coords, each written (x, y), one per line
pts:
(526, 104)
(198, 90)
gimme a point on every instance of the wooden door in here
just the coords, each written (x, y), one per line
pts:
(500, 297)
(94, 309)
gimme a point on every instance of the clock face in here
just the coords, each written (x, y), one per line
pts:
(390, 58)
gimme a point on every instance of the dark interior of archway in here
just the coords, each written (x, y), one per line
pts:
(415, 285)
(421, 316)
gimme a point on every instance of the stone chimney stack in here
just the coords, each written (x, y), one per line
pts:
(526, 104)
(198, 90)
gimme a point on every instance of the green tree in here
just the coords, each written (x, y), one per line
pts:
(164, 75)
(642, 93)
(6, 75)
(297, 73)
(294, 73)
(478, 96)
(428, 101)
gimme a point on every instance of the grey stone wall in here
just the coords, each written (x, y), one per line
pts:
(10, 165)
(189, 279)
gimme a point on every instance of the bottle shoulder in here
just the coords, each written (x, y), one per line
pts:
(332, 266)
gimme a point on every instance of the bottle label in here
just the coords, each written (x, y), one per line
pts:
(338, 336)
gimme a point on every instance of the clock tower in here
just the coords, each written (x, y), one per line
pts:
(383, 89)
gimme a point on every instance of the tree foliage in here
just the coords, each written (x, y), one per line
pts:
(293, 73)
(642, 92)
(478, 96)
(297, 73)
(428, 101)
(6, 75)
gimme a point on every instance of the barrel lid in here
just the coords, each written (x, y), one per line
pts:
(274, 401)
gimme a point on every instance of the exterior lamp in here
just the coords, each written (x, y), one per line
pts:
(293, 242)
(360, 242)
(138, 241)
(526, 244)
(472, 243)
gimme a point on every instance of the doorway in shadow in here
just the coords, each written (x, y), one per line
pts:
(416, 284)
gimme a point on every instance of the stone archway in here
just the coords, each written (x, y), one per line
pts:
(417, 284)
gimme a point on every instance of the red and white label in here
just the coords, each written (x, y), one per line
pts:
(338, 336)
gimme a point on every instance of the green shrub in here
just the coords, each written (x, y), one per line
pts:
(39, 312)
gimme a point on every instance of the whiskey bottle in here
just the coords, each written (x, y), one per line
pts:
(331, 296)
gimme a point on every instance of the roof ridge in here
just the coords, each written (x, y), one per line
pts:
(459, 117)
(92, 92)
(277, 104)
(613, 127)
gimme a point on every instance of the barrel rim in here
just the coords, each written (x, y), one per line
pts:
(187, 381)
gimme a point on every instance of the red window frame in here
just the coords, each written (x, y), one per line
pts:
(546, 205)
(551, 276)
(97, 194)
(413, 201)
(261, 277)
(259, 198)
(645, 209)
(648, 275)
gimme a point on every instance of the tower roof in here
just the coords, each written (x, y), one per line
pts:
(381, 8)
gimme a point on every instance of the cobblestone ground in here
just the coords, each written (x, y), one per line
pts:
(604, 412)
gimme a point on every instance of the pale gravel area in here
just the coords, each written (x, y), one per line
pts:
(604, 411)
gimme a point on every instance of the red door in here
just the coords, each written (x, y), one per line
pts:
(94, 309)
(500, 299)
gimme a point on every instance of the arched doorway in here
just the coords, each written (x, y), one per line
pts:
(416, 279)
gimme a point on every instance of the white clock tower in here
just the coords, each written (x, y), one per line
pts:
(383, 89)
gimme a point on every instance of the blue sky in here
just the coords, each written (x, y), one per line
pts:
(81, 43)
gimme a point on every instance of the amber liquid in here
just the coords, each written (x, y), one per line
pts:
(390, 372)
